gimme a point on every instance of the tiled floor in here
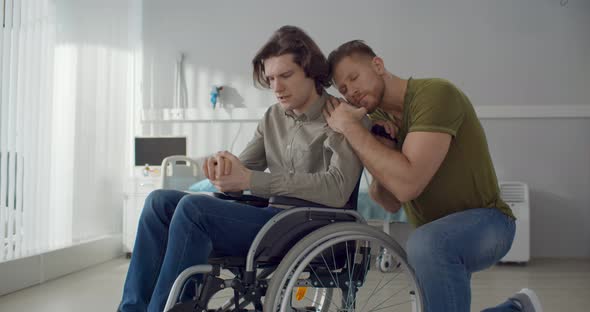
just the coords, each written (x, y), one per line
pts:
(562, 285)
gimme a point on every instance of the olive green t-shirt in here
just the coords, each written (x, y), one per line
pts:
(466, 178)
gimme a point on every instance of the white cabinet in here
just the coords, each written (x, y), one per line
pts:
(136, 191)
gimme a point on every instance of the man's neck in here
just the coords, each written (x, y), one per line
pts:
(313, 97)
(393, 95)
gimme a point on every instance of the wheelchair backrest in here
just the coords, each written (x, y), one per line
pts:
(352, 202)
(286, 232)
(283, 235)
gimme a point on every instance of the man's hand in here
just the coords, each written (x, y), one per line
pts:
(238, 179)
(216, 166)
(383, 197)
(391, 131)
(390, 128)
(385, 141)
(340, 114)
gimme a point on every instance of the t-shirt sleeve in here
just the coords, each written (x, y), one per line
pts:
(439, 107)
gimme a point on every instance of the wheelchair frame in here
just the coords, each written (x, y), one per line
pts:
(247, 284)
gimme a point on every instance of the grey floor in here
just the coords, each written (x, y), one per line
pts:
(562, 285)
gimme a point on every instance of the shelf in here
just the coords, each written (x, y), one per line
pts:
(202, 115)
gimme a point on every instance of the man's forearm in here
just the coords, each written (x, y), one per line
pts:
(390, 167)
(329, 188)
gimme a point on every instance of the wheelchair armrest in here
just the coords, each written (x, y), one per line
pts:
(297, 202)
(274, 200)
(239, 197)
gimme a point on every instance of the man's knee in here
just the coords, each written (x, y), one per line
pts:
(194, 204)
(425, 247)
(157, 203)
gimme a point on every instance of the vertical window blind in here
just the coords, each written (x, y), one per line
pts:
(25, 99)
(67, 92)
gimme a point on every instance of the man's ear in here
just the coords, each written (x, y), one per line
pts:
(378, 65)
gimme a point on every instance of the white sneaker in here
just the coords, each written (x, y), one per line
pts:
(528, 300)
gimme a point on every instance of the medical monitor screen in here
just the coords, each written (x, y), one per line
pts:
(153, 150)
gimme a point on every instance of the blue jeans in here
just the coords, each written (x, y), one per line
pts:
(177, 230)
(444, 253)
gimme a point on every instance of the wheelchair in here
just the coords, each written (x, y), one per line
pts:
(308, 257)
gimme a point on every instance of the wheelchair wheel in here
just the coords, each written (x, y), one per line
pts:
(342, 257)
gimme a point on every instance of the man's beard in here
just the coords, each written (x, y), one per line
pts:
(379, 98)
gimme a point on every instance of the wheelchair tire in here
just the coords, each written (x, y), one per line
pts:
(339, 239)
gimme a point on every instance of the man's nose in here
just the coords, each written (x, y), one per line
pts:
(355, 95)
(278, 86)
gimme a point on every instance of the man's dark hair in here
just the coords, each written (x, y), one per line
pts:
(306, 53)
(354, 47)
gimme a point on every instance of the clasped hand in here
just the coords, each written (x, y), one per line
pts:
(227, 172)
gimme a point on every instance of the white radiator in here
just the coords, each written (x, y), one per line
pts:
(516, 195)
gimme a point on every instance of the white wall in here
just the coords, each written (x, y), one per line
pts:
(553, 157)
(504, 52)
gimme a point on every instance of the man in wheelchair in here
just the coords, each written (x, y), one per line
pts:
(305, 158)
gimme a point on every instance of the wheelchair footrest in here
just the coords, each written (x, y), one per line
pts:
(188, 306)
